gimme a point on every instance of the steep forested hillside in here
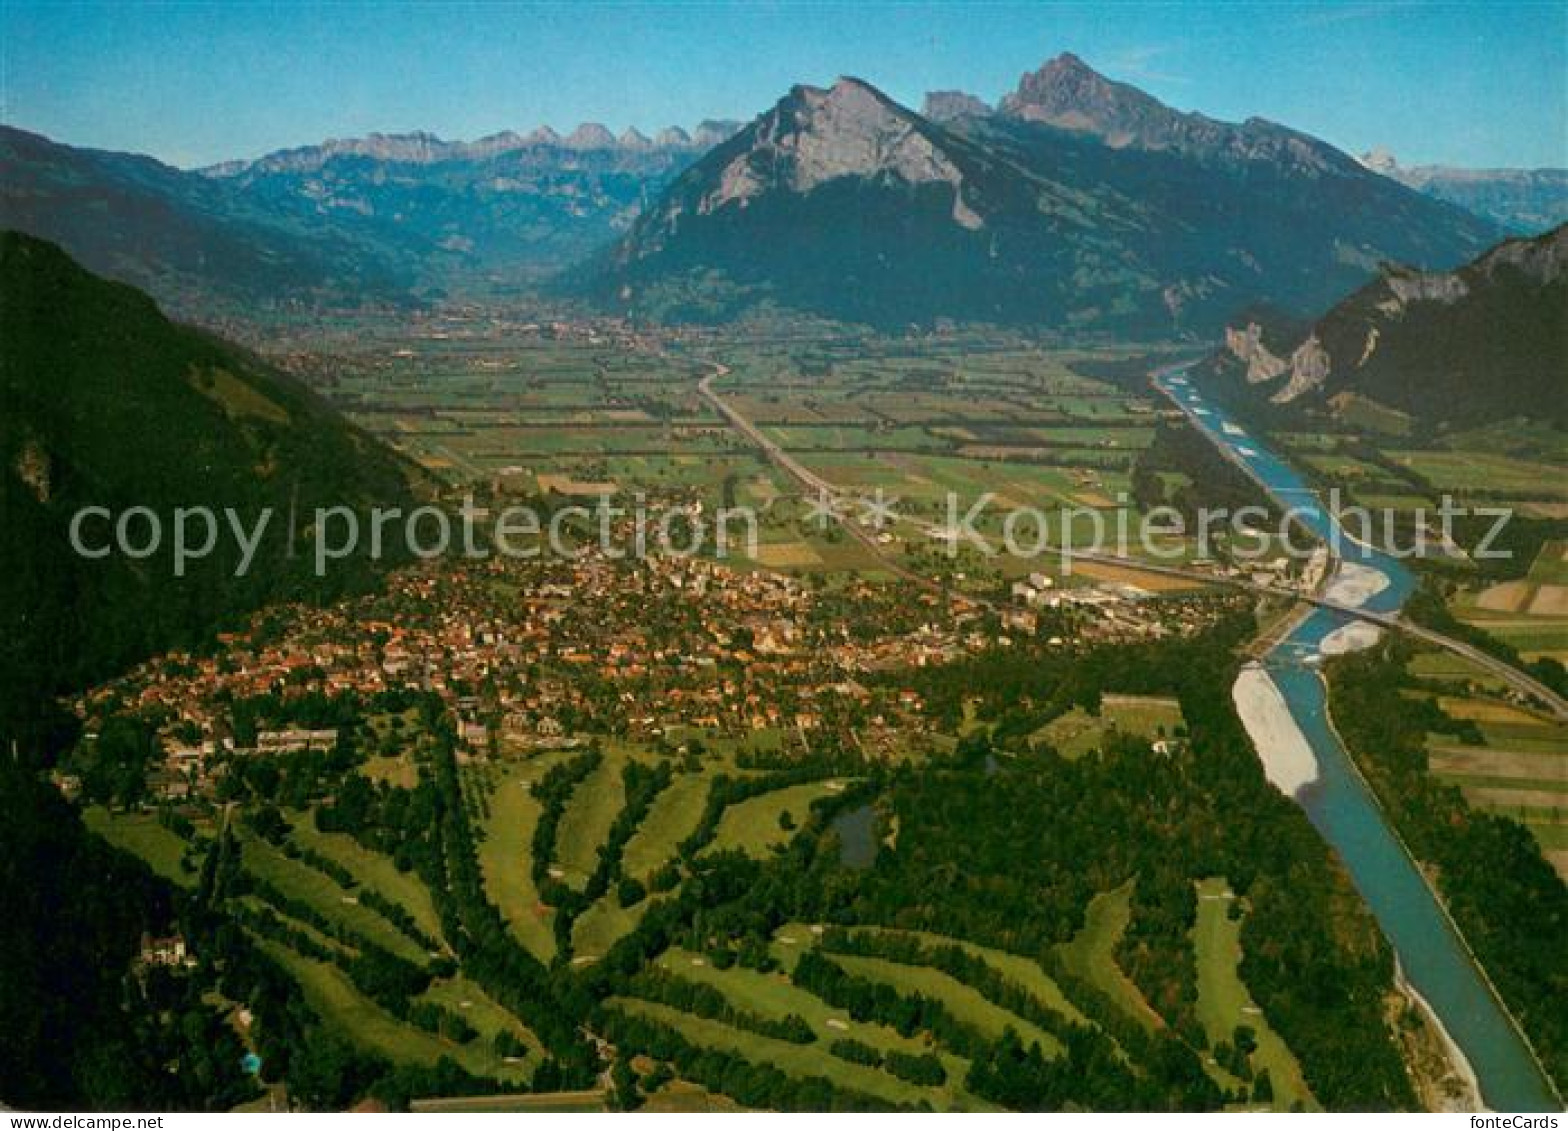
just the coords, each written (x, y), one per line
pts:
(1486, 342)
(106, 403)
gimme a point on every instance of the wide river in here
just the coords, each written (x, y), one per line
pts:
(1432, 954)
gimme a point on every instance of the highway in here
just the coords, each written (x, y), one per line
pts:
(814, 484)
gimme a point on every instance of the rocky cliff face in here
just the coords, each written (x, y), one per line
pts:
(1406, 286)
(1081, 202)
(1246, 343)
(1309, 368)
(715, 131)
(816, 136)
(1484, 342)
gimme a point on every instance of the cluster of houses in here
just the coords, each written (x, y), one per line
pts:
(539, 654)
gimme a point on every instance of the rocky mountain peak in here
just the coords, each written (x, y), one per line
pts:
(503, 142)
(814, 135)
(421, 148)
(953, 105)
(1069, 94)
(1380, 160)
(1543, 259)
(711, 131)
(590, 135)
(850, 129)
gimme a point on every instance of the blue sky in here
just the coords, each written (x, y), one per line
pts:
(194, 82)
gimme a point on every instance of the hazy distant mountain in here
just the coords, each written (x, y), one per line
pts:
(1525, 201)
(507, 208)
(1079, 203)
(191, 241)
(1488, 341)
(950, 105)
(389, 218)
(421, 148)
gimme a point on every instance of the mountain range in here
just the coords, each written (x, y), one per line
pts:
(1486, 342)
(199, 247)
(503, 209)
(1522, 201)
(388, 219)
(1078, 203)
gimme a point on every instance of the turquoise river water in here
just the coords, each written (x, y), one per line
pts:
(1431, 952)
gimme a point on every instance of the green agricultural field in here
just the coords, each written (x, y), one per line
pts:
(1534, 737)
(1223, 999)
(1528, 634)
(141, 835)
(1345, 469)
(1303, 443)
(1469, 470)
(852, 437)
(1091, 955)
(1553, 836)
(1364, 412)
(969, 415)
(1551, 564)
(1444, 665)
(1520, 770)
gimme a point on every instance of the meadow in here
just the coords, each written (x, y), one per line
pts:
(1516, 761)
(519, 413)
